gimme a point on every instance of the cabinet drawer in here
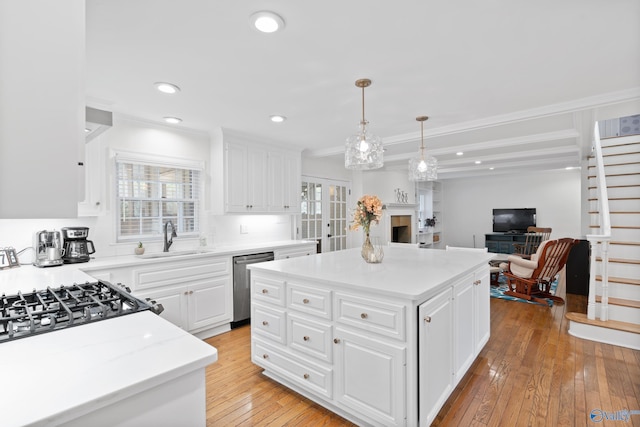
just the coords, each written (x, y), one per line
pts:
(267, 290)
(310, 336)
(294, 252)
(372, 315)
(181, 271)
(268, 322)
(314, 378)
(309, 299)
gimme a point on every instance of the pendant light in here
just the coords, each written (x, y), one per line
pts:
(363, 150)
(423, 167)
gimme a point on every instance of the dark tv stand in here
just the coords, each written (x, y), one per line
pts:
(502, 243)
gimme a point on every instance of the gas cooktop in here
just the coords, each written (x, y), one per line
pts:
(27, 314)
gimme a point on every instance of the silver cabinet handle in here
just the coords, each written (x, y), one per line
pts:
(427, 319)
(264, 291)
(306, 376)
(305, 301)
(265, 323)
(306, 338)
(336, 340)
(364, 315)
(265, 356)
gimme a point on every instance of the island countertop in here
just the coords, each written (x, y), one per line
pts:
(411, 273)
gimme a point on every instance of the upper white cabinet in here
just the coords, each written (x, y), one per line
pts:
(41, 107)
(250, 177)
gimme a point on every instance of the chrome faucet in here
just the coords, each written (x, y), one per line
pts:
(168, 243)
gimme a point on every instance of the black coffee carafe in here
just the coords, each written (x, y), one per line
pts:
(76, 246)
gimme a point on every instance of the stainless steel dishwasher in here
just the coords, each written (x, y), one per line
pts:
(242, 286)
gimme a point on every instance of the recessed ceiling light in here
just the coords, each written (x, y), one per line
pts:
(276, 118)
(166, 87)
(172, 120)
(266, 21)
(491, 168)
(478, 162)
(459, 153)
(87, 130)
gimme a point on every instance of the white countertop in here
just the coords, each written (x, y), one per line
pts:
(411, 273)
(54, 377)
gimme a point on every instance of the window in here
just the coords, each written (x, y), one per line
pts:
(149, 194)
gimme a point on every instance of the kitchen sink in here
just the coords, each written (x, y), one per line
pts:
(169, 254)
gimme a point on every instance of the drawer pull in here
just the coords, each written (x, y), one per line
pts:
(265, 323)
(265, 356)
(336, 340)
(306, 376)
(306, 338)
(427, 319)
(305, 301)
(364, 315)
(265, 291)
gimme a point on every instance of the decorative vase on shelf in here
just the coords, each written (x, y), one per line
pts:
(372, 252)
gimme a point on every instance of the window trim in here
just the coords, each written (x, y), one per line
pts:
(117, 155)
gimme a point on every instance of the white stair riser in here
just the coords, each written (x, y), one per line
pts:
(625, 205)
(617, 192)
(618, 180)
(607, 142)
(621, 313)
(624, 251)
(619, 269)
(605, 335)
(618, 219)
(627, 164)
(621, 290)
(625, 234)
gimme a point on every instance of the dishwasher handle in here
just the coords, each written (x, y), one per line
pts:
(251, 259)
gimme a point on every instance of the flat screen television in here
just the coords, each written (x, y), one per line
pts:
(513, 220)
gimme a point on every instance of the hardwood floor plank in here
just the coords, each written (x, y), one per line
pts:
(531, 372)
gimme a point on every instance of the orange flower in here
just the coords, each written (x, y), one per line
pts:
(368, 210)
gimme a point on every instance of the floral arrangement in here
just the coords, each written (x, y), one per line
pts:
(368, 210)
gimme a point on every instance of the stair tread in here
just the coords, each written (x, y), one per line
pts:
(610, 324)
(608, 175)
(620, 280)
(593, 199)
(619, 242)
(617, 186)
(621, 260)
(620, 301)
(615, 164)
(620, 154)
(630, 227)
(617, 212)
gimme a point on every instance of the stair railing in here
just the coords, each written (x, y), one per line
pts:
(599, 243)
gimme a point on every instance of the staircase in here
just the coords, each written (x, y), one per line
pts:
(613, 311)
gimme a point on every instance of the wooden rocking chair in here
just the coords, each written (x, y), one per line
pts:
(532, 279)
(534, 236)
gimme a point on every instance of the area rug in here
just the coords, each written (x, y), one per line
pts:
(498, 292)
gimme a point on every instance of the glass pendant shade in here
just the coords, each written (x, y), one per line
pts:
(363, 150)
(423, 167)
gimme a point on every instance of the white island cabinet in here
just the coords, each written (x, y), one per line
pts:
(380, 344)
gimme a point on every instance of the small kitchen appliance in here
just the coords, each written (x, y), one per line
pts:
(76, 246)
(48, 249)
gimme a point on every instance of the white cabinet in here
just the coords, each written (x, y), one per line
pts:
(41, 108)
(345, 347)
(253, 177)
(94, 203)
(436, 337)
(284, 181)
(245, 178)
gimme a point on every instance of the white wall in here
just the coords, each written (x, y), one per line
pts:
(468, 204)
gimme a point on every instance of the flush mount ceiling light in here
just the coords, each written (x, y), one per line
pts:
(276, 118)
(423, 167)
(363, 150)
(164, 87)
(266, 21)
(172, 120)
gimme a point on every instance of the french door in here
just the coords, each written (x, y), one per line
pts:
(324, 212)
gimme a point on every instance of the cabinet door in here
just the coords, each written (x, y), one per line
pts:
(208, 302)
(482, 311)
(292, 182)
(235, 194)
(256, 179)
(173, 300)
(277, 182)
(370, 376)
(464, 325)
(435, 343)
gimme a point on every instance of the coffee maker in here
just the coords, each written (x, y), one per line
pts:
(76, 246)
(48, 248)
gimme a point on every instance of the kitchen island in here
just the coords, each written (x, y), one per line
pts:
(380, 344)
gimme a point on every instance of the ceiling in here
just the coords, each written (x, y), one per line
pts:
(513, 84)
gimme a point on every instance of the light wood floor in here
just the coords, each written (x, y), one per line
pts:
(531, 372)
